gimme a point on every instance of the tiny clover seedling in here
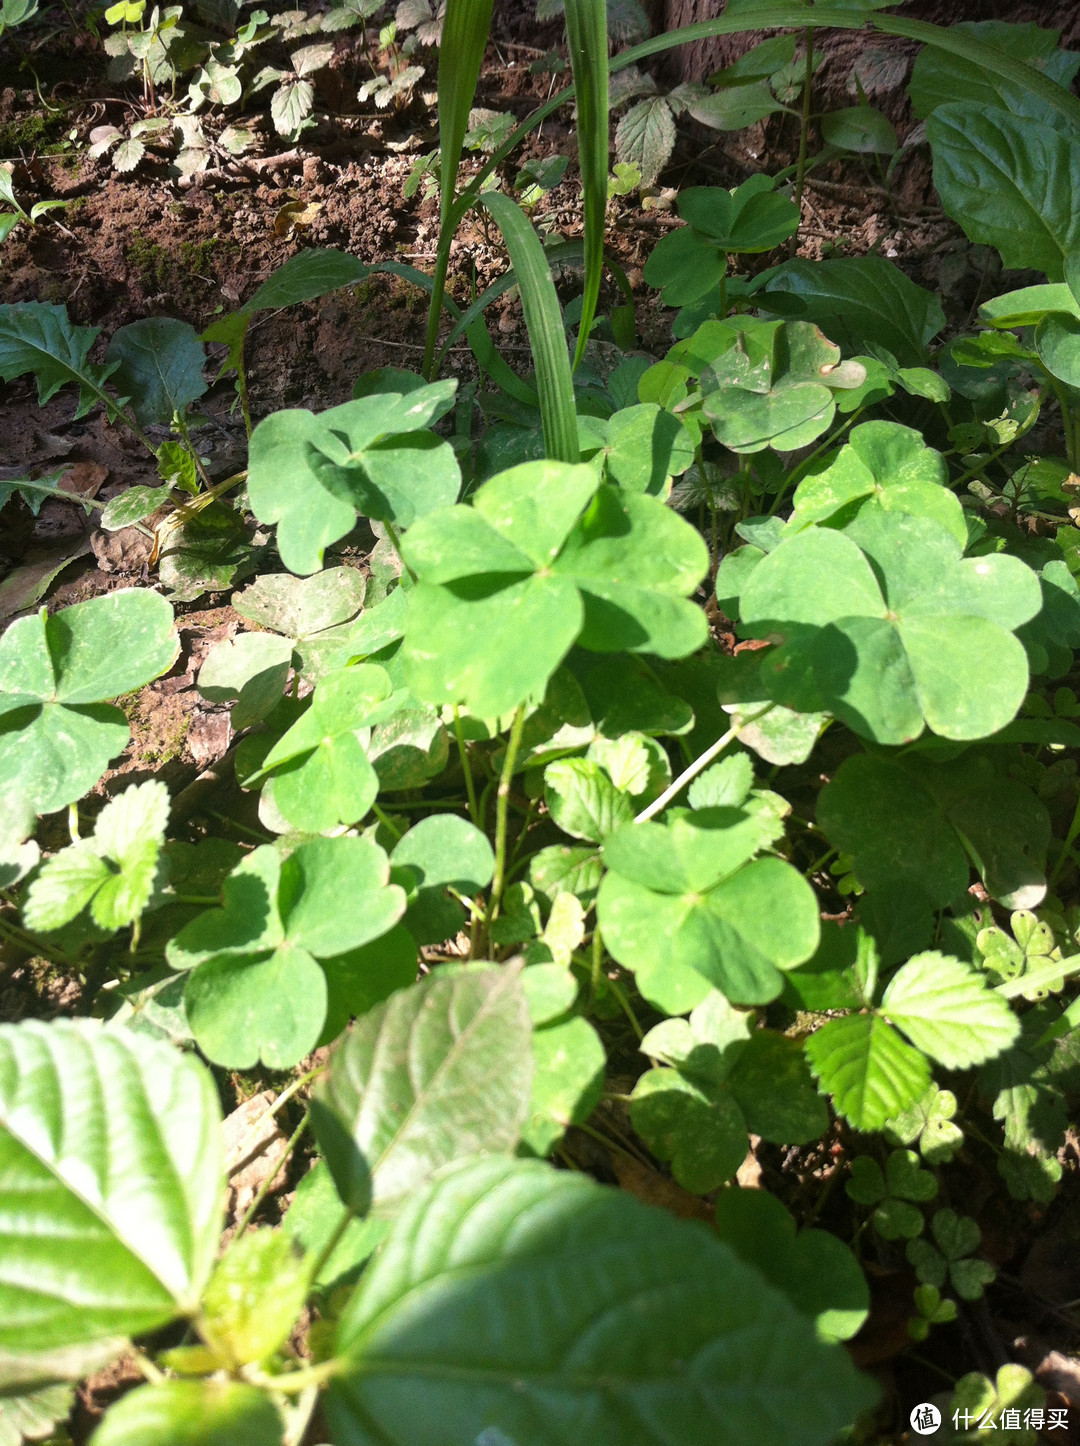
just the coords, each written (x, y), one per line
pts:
(950, 1259)
(945, 1010)
(319, 771)
(255, 991)
(374, 456)
(115, 872)
(721, 1080)
(930, 1121)
(546, 553)
(1030, 947)
(57, 736)
(890, 628)
(895, 1192)
(685, 905)
(691, 261)
(932, 1310)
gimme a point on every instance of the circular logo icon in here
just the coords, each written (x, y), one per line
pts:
(925, 1419)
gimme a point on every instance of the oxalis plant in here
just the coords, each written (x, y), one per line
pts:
(651, 668)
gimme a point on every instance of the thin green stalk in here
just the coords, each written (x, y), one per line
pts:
(624, 1004)
(586, 32)
(699, 765)
(502, 813)
(804, 133)
(1070, 838)
(395, 540)
(466, 767)
(267, 1184)
(387, 822)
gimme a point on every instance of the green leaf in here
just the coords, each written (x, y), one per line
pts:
(290, 104)
(208, 553)
(543, 315)
(558, 869)
(583, 801)
(132, 506)
(948, 1012)
(302, 607)
(303, 277)
(320, 768)
(128, 835)
(463, 1345)
(442, 852)
(933, 647)
(271, 1009)
(726, 784)
(110, 1159)
(33, 1415)
(919, 826)
(254, 1297)
(701, 1131)
(771, 1084)
(158, 363)
(37, 337)
(641, 447)
(192, 1413)
(815, 1270)
(587, 40)
(1011, 182)
(938, 78)
(464, 37)
(861, 129)
(568, 1081)
(859, 301)
(684, 898)
(645, 137)
(533, 557)
(440, 1070)
(55, 742)
(1057, 340)
(365, 976)
(312, 1219)
(870, 1072)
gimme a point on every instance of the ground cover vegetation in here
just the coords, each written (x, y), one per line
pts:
(690, 772)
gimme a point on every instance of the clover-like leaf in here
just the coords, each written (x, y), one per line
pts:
(114, 872)
(685, 899)
(815, 1270)
(460, 1335)
(321, 772)
(95, 1250)
(548, 553)
(256, 990)
(920, 826)
(930, 1122)
(56, 735)
(374, 456)
(640, 448)
(568, 1080)
(442, 852)
(888, 627)
(890, 463)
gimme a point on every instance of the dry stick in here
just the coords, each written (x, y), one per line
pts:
(699, 764)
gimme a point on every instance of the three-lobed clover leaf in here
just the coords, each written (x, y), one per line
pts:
(57, 735)
(951, 1259)
(888, 627)
(114, 872)
(895, 1192)
(720, 1080)
(947, 1013)
(545, 556)
(930, 1121)
(887, 462)
(320, 772)
(639, 448)
(685, 905)
(255, 990)
(374, 456)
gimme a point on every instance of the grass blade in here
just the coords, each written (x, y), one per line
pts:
(586, 30)
(543, 317)
(461, 52)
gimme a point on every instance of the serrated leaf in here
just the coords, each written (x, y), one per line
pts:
(947, 1011)
(583, 801)
(870, 1072)
(645, 137)
(440, 1070)
(472, 1356)
(127, 155)
(291, 104)
(94, 1251)
(38, 337)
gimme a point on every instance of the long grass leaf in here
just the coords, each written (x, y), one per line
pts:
(543, 317)
(461, 53)
(586, 30)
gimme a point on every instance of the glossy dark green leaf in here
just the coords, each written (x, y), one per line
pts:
(471, 1353)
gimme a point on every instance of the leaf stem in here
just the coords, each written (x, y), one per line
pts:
(466, 766)
(502, 810)
(699, 764)
(626, 1007)
(292, 1383)
(265, 1187)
